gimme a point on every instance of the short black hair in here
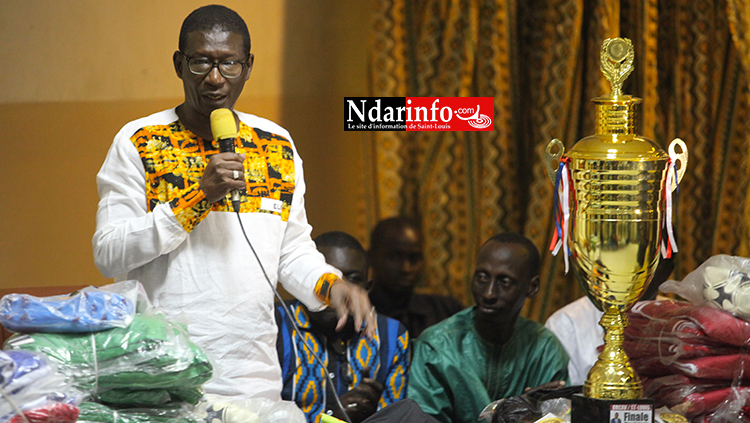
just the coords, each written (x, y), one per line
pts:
(535, 259)
(214, 16)
(385, 227)
(338, 239)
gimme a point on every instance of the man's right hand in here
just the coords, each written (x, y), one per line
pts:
(362, 401)
(218, 177)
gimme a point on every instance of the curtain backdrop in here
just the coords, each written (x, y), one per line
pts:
(539, 60)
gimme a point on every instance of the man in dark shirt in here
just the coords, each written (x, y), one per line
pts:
(396, 259)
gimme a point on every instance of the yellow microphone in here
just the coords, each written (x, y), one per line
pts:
(224, 130)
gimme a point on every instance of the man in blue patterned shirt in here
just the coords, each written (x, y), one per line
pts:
(367, 374)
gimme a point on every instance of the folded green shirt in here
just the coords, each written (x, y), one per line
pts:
(92, 412)
(152, 353)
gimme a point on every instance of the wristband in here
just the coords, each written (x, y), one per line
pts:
(324, 285)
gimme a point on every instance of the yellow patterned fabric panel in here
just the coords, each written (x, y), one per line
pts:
(323, 287)
(395, 385)
(174, 160)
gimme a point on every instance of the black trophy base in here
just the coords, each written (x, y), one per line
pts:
(594, 410)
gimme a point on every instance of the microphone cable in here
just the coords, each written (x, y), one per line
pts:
(289, 316)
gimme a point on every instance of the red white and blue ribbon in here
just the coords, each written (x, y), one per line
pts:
(561, 205)
(668, 244)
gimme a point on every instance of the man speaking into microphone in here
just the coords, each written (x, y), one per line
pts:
(166, 218)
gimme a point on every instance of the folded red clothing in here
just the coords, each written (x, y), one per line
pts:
(679, 385)
(51, 413)
(740, 416)
(671, 348)
(651, 367)
(718, 325)
(721, 326)
(725, 367)
(659, 309)
(700, 403)
(674, 327)
(722, 367)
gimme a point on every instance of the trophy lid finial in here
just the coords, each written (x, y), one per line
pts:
(617, 62)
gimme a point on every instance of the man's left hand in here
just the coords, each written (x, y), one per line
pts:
(348, 298)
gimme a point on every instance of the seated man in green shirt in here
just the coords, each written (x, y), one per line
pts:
(487, 352)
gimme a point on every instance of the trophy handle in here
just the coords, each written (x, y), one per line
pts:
(552, 160)
(681, 158)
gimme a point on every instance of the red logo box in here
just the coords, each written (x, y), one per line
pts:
(450, 113)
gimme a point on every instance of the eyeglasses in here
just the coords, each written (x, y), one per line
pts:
(202, 66)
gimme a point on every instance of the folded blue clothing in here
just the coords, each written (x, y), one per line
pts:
(85, 311)
(17, 364)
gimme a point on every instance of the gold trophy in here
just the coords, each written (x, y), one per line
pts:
(616, 187)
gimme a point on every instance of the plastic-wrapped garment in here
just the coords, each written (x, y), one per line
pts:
(29, 381)
(90, 309)
(694, 358)
(668, 337)
(698, 403)
(151, 354)
(97, 413)
(149, 397)
(693, 395)
(678, 328)
(734, 409)
(677, 386)
(531, 405)
(658, 309)
(220, 409)
(671, 349)
(652, 367)
(700, 400)
(725, 367)
(722, 282)
(51, 413)
(718, 325)
(213, 409)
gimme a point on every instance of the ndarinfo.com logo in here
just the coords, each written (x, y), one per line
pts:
(419, 113)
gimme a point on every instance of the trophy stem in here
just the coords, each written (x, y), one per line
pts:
(612, 377)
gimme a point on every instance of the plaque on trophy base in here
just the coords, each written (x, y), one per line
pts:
(595, 410)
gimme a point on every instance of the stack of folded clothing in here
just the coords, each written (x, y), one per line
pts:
(691, 358)
(88, 310)
(112, 355)
(32, 390)
(151, 362)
